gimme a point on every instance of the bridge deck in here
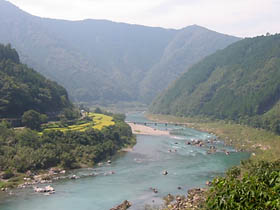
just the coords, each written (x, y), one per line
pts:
(156, 123)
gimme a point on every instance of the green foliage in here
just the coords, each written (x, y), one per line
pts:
(7, 174)
(67, 160)
(190, 45)
(24, 150)
(98, 110)
(239, 83)
(33, 120)
(7, 53)
(22, 89)
(258, 188)
(70, 114)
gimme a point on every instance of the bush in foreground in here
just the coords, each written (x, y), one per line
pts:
(256, 186)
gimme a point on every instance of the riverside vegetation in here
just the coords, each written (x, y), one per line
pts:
(234, 94)
(26, 150)
(252, 185)
(72, 142)
(239, 83)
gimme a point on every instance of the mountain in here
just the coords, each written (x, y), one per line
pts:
(241, 83)
(190, 45)
(104, 61)
(22, 89)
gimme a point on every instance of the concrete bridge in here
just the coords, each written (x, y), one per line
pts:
(156, 123)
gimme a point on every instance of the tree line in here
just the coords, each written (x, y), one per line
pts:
(23, 150)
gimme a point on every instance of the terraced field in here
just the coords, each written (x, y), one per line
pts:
(99, 121)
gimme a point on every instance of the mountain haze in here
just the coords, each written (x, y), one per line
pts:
(190, 45)
(241, 83)
(104, 61)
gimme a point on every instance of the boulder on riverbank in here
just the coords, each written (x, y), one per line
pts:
(74, 177)
(47, 189)
(55, 171)
(123, 206)
(193, 201)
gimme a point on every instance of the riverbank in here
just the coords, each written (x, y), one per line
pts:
(28, 153)
(145, 130)
(38, 177)
(139, 175)
(262, 144)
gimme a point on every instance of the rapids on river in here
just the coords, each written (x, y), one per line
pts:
(136, 172)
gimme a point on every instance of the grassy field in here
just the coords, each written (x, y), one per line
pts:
(262, 144)
(98, 121)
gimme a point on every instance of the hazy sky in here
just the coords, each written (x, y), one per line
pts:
(235, 17)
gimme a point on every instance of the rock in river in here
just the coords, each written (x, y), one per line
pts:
(123, 206)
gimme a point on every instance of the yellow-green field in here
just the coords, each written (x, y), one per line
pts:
(99, 121)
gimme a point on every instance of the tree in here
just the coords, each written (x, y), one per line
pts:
(33, 119)
(98, 110)
(67, 160)
(70, 114)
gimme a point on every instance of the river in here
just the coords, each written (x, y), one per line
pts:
(135, 173)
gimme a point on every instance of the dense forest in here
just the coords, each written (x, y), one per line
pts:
(104, 61)
(240, 83)
(23, 150)
(22, 89)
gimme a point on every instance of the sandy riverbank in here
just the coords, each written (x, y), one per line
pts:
(145, 130)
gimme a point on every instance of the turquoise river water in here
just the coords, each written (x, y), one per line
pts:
(135, 173)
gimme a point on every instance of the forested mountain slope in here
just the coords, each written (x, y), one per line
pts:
(22, 89)
(104, 61)
(241, 82)
(190, 45)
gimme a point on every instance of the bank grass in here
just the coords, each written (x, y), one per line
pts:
(98, 121)
(263, 145)
(13, 182)
(2, 184)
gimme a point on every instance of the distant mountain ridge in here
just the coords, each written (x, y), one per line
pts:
(189, 45)
(98, 60)
(241, 83)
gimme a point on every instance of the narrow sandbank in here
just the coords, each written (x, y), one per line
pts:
(145, 130)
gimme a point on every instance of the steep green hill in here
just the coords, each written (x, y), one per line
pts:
(104, 61)
(22, 89)
(241, 83)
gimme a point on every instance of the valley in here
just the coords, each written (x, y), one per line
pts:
(160, 109)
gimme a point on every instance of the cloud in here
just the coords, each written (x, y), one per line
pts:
(238, 17)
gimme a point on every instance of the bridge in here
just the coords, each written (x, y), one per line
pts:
(156, 123)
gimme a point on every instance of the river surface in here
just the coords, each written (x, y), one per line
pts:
(135, 173)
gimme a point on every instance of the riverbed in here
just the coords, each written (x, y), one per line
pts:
(131, 175)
